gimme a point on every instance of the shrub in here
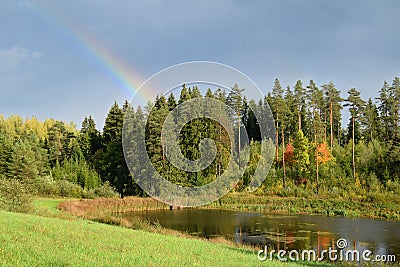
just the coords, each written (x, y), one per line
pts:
(393, 186)
(105, 190)
(14, 196)
(68, 189)
(46, 186)
(376, 197)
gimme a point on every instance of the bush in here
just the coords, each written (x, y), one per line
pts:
(376, 197)
(105, 190)
(393, 186)
(50, 187)
(46, 186)
(68, 189)
(14, 196)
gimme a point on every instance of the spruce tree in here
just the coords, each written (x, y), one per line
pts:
(114, 167)
(171, 102)
(89, 139)
(23, 164)
(112, 129)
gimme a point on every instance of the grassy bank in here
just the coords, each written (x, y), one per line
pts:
(52, 241)
(88, 207)
(30, 240)
(324, 206)
(104, 207)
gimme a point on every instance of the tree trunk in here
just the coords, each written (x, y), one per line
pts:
(396, 121)
(315, 144)
(163, 153)
(283, 159)
(276, 141)
(239, 120)
(316, 164)
(219, 159)
(324, 126)
(314, 126)
(299, 113)
(331, 121)
(353, 155)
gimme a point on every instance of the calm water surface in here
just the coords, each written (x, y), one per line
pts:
(278, 231)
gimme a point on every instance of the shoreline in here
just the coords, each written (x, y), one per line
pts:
(242, 202)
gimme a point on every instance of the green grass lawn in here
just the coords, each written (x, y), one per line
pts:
(30, 240)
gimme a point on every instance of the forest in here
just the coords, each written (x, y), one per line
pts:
(315, 155)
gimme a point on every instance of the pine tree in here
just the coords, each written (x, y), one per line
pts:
(291, 114)
(388, 110)
(280, 110)
(278, 107)
(333, 102)
(371, 121)
(356, 105)
(395, 114)
(57, 142)
(300, 98)
(315, 98)
(222, 140)
(235, 102)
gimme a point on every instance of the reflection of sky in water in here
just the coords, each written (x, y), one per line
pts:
(291, 232)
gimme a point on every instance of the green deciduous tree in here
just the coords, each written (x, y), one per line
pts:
(301, 155)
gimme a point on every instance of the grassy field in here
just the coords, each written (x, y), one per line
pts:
(44, 204)
(31, 240)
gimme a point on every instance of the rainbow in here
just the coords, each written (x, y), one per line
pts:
(108, 62)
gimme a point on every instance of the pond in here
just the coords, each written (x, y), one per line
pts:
(297, 232)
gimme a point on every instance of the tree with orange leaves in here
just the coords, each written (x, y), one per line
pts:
(289, 155)
(323, 154)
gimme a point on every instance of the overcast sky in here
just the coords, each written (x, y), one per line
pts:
(46, 72)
